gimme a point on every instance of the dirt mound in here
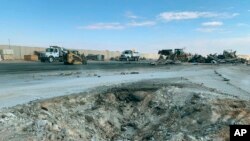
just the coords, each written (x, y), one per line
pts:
(149, 110)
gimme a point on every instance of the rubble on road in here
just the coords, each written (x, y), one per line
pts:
(126, 73)
(197, 59)
(226, 57)
(169, 57)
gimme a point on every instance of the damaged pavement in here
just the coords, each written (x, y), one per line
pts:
(156, 109)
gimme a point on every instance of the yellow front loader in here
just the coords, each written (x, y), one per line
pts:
(73, 57)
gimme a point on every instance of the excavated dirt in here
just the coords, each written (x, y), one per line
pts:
(170, 109)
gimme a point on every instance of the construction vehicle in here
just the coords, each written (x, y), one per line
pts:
(180, 55)
(167, 56)
(74, 57)
(129, 55)
(52, 54)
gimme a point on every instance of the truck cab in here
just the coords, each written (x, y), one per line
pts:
(129, 55)
(52, 54)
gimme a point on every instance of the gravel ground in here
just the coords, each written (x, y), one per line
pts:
(113, 101)
(160, 109)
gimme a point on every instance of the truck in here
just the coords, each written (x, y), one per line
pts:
(129, 55)
(53, 53)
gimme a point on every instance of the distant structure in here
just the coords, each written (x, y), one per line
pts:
(244, 56)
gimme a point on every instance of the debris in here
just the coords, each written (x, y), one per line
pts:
(66, 74)
(123, 73)
(197, 59)
(167, 56)
(226, 79)
(143, 110)
(134, 72)
(226, 57)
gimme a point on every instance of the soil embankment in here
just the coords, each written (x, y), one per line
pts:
(159, 109)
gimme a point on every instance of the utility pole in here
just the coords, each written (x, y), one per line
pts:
(9, 43)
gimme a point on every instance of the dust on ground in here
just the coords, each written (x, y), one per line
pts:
(174, 109)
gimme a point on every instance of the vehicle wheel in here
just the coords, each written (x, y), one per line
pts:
(51, 59)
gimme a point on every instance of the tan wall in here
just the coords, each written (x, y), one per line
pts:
(20, 51)
(150, 55)
(244, 56)
(107, 54)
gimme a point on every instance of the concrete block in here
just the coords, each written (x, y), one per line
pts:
(7, 51)
(31, 57)
(7, 57)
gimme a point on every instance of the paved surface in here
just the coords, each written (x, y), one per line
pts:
(36, 67)
(27, 81)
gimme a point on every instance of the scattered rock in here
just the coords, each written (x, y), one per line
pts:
(147, 110)
(134, 72)
(226, 79)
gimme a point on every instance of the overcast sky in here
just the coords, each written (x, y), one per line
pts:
(199, 26)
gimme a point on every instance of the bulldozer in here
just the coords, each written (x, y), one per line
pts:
(167, 56)
(73, 57)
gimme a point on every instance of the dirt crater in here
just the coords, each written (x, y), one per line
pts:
(172, 109)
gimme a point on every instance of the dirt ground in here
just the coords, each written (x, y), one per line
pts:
(123, 102)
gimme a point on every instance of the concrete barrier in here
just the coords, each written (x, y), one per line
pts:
(31, 57)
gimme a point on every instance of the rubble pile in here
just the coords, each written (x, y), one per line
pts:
(198, 59)
(167, 56)
(173, 109)
(226, 57)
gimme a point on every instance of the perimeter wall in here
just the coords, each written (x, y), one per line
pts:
(20, 51)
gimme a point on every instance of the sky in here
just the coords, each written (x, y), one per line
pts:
(198, 26)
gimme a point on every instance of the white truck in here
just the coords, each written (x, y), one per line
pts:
(53, 53)
(129, 55)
